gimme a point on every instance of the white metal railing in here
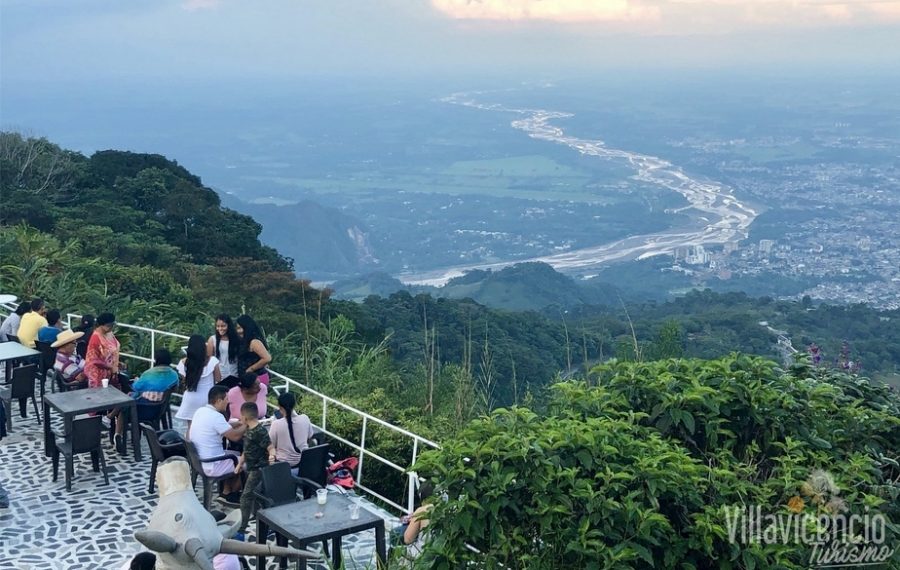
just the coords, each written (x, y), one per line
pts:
(417, 440)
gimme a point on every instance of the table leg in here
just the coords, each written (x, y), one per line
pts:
(336, 551)
(46, 428)
(135, 431)
(262, 531)
(380, 546)
(281, 541)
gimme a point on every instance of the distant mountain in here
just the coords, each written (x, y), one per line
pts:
(322, 241)
(525, 286)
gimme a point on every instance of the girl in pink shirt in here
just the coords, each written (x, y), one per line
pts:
(249, 390)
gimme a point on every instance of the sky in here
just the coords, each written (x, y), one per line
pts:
(108, 41)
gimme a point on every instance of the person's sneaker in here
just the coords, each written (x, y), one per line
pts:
(120, 444)
(106, 421)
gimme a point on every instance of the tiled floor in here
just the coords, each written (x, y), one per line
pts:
(92, 526)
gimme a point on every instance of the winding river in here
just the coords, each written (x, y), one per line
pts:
(718, 217)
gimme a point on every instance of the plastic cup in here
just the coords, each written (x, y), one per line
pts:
(105, 382)
(354, 511)
(322, 496)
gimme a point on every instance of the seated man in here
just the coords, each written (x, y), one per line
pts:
(150, 389)
(208, 427)
(32, 322)
(53, 328)
(69, 366)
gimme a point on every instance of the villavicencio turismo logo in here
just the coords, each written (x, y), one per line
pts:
(819, 519)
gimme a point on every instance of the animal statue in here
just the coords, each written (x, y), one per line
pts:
(184, 535)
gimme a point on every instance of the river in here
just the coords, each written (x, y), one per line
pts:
(718, 217)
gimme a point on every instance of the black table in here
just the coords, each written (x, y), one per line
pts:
(297, 523)
(76, 402)
(10, 351)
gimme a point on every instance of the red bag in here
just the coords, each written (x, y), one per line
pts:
(341, 472)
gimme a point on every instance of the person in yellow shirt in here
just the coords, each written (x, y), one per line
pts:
(32, 322)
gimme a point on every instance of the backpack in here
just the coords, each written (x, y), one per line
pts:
(340, 473)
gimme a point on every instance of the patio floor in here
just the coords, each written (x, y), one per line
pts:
(92, 526)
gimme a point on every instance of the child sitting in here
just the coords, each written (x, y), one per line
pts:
(258, 452)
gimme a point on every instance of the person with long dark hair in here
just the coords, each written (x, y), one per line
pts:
(200, 372)
(87, 327)
(291, 432)
(10, 324)
(225, 344)
(254, 354)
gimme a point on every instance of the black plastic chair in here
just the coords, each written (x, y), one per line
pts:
(160, 451)
(197, 469)
(153, 414)
(278, 486)
(85, 438)
(21, 388)
(312, 466)
(46, 361)
(61, 384)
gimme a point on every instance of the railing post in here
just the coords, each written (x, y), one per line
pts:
(153, 348)
(324, 412)
(411, 497)
(362, 451)
(411, 492)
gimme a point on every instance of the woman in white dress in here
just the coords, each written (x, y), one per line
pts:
(200, 372)
(225, 345)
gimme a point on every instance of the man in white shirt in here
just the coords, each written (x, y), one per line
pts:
(208, 427)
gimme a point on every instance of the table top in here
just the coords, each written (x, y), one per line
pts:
(87, 400)
(11, 350)
(298, 520)
(8, 299)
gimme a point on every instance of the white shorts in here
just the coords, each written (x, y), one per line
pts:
(221, 467)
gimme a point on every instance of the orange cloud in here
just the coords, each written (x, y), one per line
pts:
(568, 11)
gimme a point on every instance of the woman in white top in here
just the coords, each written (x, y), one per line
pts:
(200, 372)
(10, 324)
(225, 345)
(291, 432)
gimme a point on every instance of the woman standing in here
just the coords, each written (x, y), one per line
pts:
(200, 372)
(102, 355)
(225, 345)
(291, 432)
(86, 327)
(254, 354)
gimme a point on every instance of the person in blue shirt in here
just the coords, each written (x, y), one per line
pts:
(53, 328)
(149, 389)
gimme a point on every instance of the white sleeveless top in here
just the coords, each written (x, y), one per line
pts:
(226, 367)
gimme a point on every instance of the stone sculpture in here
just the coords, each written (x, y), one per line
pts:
(184, 535)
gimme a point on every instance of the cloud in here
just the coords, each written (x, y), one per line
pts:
(679, 16)
(567, 11)
(199, 4)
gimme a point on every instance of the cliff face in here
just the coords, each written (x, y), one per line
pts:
(322, 241)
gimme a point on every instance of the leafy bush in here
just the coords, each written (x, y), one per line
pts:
(641, 468)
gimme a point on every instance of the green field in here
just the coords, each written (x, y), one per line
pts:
(530, 177)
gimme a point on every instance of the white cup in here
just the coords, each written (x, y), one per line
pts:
(322, 496)
(105, 382)
(354, 511)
